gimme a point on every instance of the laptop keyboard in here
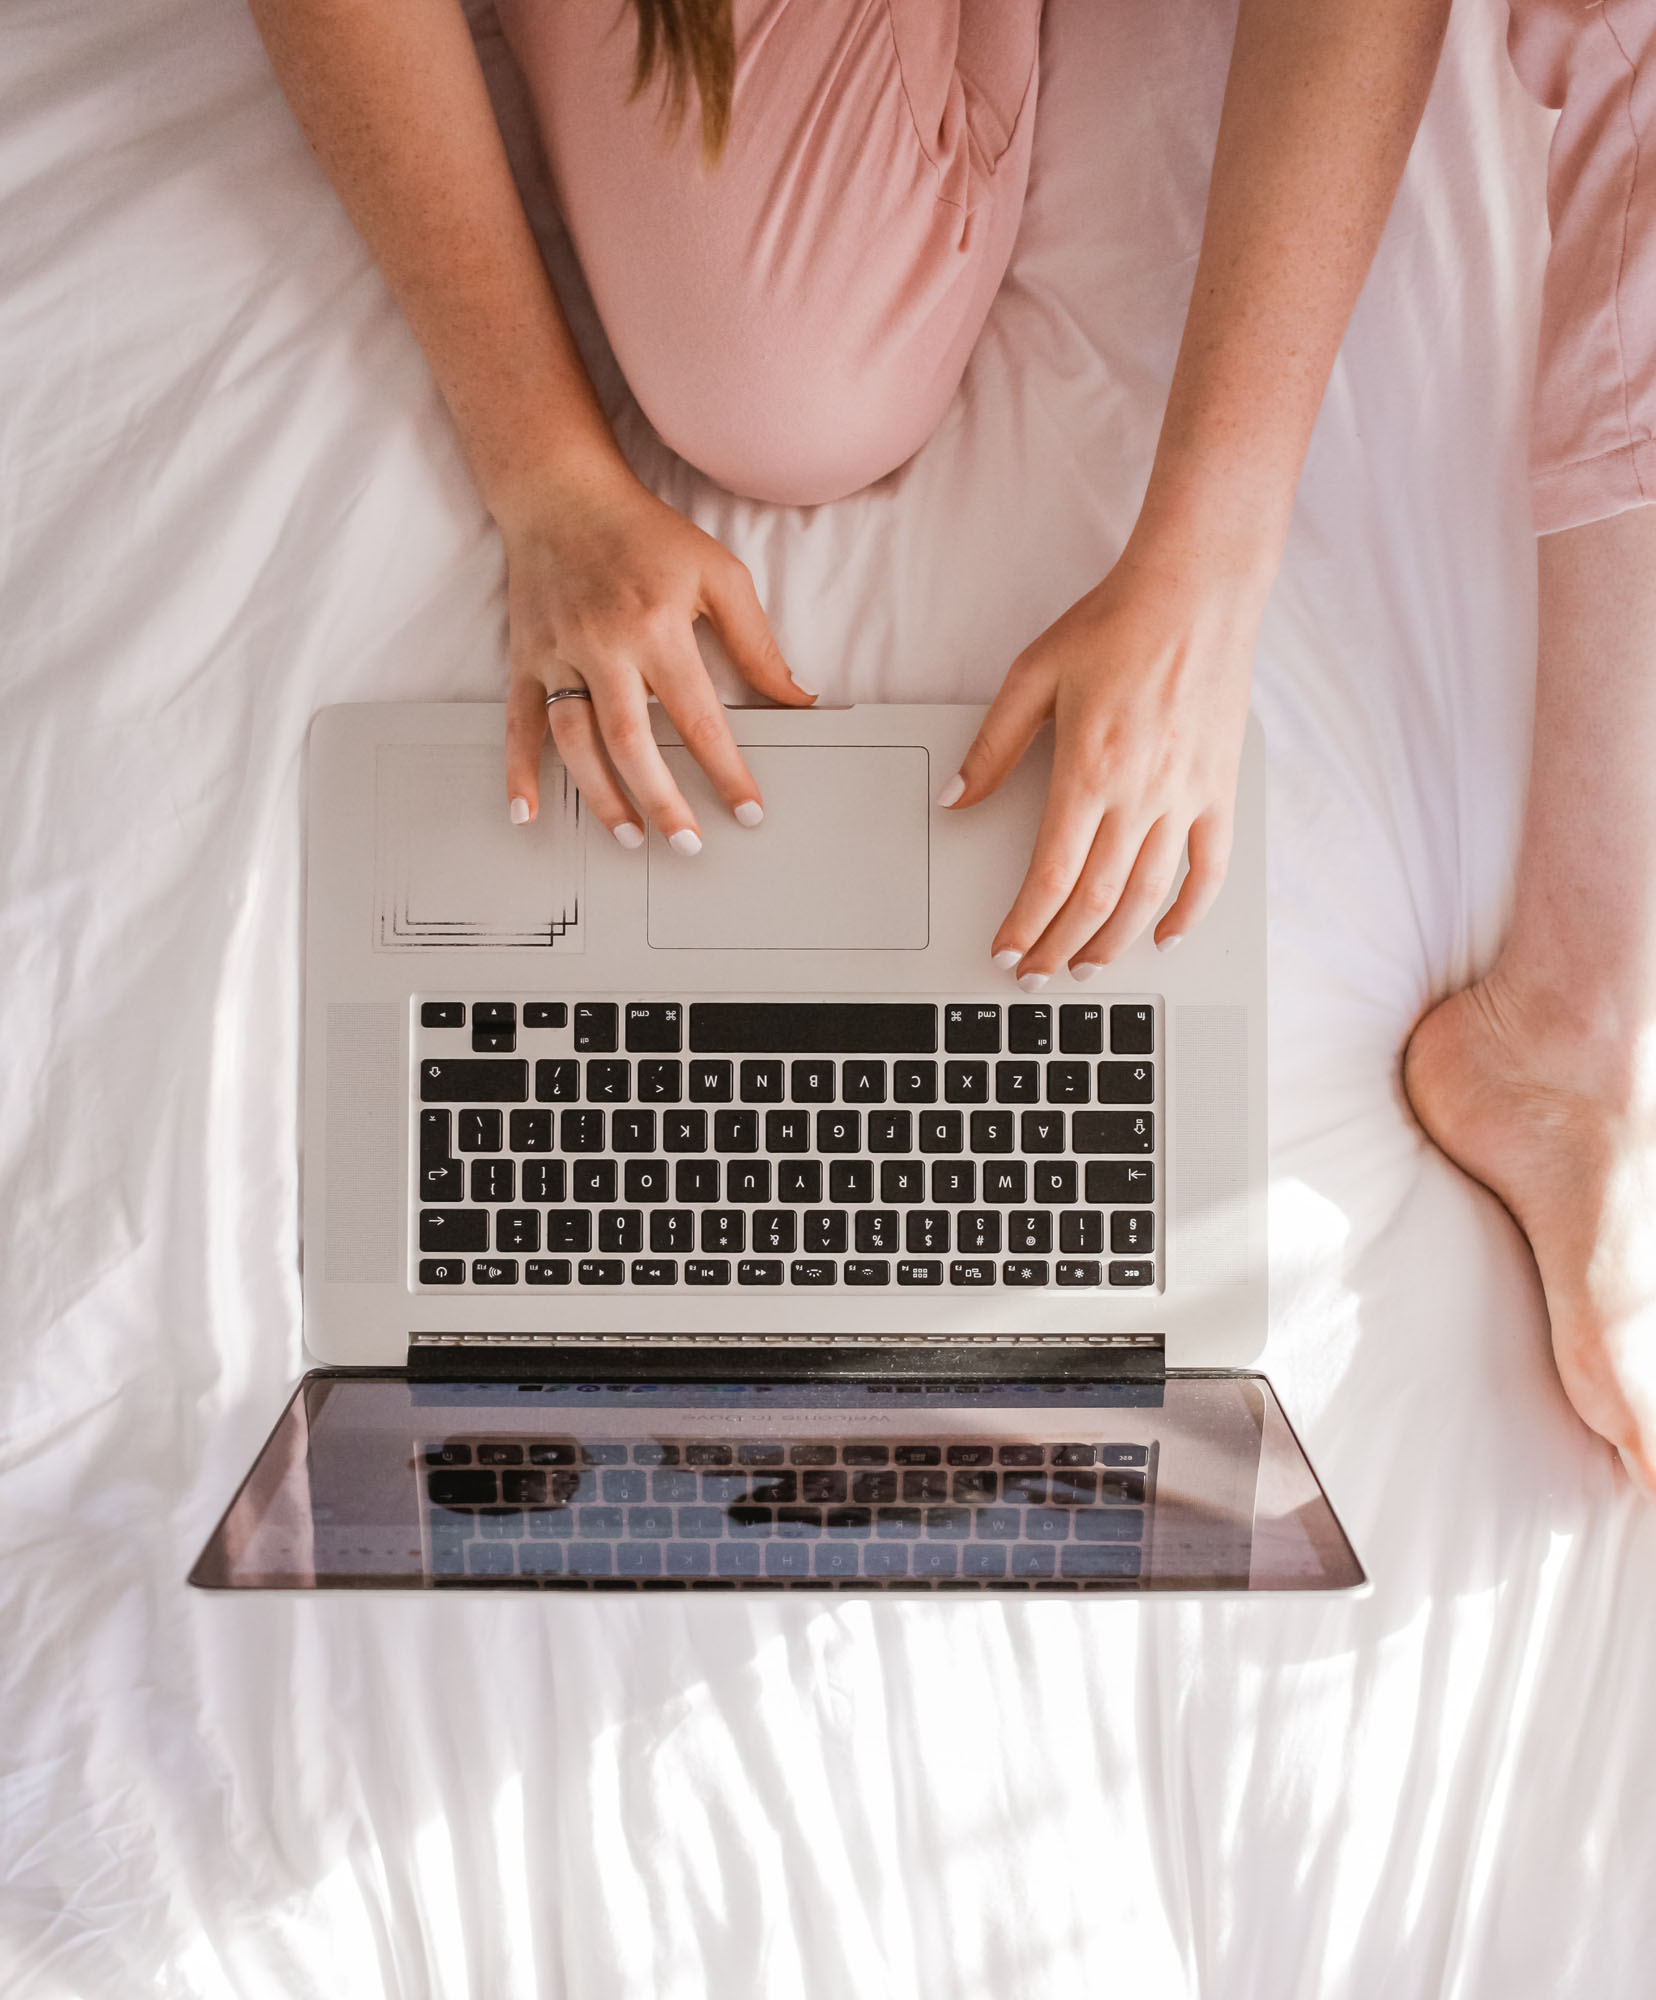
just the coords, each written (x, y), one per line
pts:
(932, 1511)
(653, 1144)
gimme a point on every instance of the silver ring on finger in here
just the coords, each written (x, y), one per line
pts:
(568, 694)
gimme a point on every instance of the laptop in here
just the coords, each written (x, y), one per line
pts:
(728, 1222)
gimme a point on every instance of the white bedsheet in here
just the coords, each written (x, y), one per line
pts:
(228, 495)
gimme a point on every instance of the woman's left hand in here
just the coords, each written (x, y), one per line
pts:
(1146, 680)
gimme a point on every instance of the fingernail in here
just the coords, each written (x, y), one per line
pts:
(749, 813)
(520, 811)
(1085, 971)
(684, 841)
(629, 836)
(1004, 960)
(811, 694)
(1167, 943)
(952, 790)
(1032, 982)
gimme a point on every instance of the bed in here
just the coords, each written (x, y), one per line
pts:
(229, 495)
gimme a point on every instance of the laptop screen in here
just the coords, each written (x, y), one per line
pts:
(1191, 1483)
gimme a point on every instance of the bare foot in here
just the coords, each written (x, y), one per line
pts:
(1554, 1129)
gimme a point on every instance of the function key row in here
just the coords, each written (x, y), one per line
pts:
(815, 1272)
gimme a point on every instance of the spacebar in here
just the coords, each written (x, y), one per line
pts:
(812, 1028)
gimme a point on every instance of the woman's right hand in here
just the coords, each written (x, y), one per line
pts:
(604, 585)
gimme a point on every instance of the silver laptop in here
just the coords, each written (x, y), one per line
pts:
(728, 1222)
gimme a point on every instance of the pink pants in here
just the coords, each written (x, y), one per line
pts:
(795, 320)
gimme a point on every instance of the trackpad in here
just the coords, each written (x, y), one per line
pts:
(841, 863)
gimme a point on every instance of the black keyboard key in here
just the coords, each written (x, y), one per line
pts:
(1029, 1232)
(481, 1132)
(696, 1181)
(723, 1229)
(494, 1027)
(926, 1229)
(684, 1131)
(993, 1131)
(867, 1271)
(672, 1230)
(972, 1271)
(966, 1083)
(545, 1014)
(581, 1131)
(914, 1082)
(1081, 1233)
(494, 1271)
(442, 1270)
(594, 1180)
(1132, 1031)
(748, 1181)
(1084, 1271)
(1006, 1182)
(1114, 1131)
(1126, 1083)
(655, 1027)
(863, 1082)
(973, 1454)
(812, 1082)
(1055, 1181)
(805, 1027)
(707, 1271)
(602, 1271)
(547, 1271)
(569, 1229)
(824, 1232)
(633, 1132)
(1022, 1455)
(1119, 1182)
(774, 1231)
(902, 1181)
(759, 1271)
(609, 1082)
(799, 1180)
(942, 1132)
(1080, 1031)
(1041, 1131)
(597, 1032)
(919, 1271)
(442, 1013)
(1017, 1083)
(787, 1131)
(1069, 1082)
(660, 1082)
(972, 1030)
(813, 1271)
(442, 1178)
(891, 1131)
(654, 1271)
(711, 1083)
(558, 1082)
(493, 1180)
(953, 1181)
(531, 1131)
(1025, 1272)
(978, 1232)
(1123, 1454)
(1029, 1031)
(763, 1082)
(517, 1229)
(877, 1230)
(644, 1180)
(1132, 1233)
(839, 1132)
(736, 1131)
(620, 1229)
(1132, 1274)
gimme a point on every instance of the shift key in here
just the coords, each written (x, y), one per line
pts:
(469, 1080)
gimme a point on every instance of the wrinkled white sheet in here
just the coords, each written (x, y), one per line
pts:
(228, 495)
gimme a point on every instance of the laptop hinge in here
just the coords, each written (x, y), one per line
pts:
(505, 1357)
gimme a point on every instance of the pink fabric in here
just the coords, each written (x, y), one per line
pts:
(794, 321)
(1593, 450)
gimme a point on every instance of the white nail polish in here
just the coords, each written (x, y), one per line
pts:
(684, 841)
(520, 812)
(1084, 972)
(952, 790)
(749, 813)
(629, 836)
(1003, 961)
(1167, 943)
(1032, 982)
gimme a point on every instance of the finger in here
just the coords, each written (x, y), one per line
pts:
(1099, 885)
(1069, 825)
(1210, 850)
(1147, 887)
(1006, 732)
(575, 738)
(689, 697)
(525, 732)
(624, 723)
(735, 613)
